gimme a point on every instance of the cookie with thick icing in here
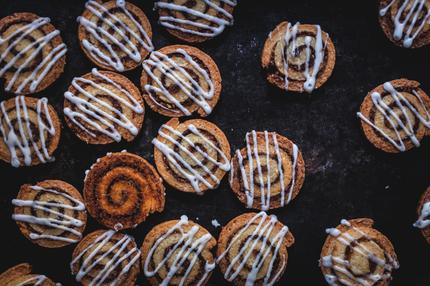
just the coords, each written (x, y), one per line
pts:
(298, 57)
(178, 252)
(395, 116)
(269, 172)
(32, 53)
(252, 249)
(406, 22)
(192, 156)
(195, 21)
(102, 107)
(180, 80)
(356, 254)
(114, 35)
(29, 131)
(50, 213)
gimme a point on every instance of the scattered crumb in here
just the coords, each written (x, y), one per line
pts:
(387, 187)
(215, 223)
(197, 218)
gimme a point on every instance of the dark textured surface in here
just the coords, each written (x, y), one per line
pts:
(346, 177)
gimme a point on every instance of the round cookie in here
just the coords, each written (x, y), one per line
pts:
(30, 131)
(423, 211)
(195, 21)
(50, 214)
(179, 80)
(406, 22)
(122, 189)
(190, 263)
(114, 35)
(21, 275)
(269, 172)
(192, 156)
(257, 242)
(32, 53)
(102, 107)
(299, 57)
(106, 257)
(355, 253)
(395, 116)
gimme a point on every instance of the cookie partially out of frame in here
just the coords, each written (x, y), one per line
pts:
(21, 275)
(32, 52)
(406, 22)
(423, 212)
(298, 57)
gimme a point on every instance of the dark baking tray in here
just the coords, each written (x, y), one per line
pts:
(346, 177)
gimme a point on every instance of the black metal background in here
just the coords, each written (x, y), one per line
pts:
(346, 177)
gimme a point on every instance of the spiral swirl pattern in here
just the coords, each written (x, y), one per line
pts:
(195, 21)
(357, 254)
(269, 172)
(252, 249)
(178, 253)
(30, 131)
(115, 35)
(298, 57)
(106, 257)
(180, 80)
(192, 156)
(103, 107)
(32, 53)
(51, 213)
(122, 189)
(396, 115)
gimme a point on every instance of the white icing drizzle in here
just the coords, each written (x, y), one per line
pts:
(181, 78)
(109, 40)
(215, 223)
(18, 138)
(112, 257)
(340, 265)
(67, 223)
(290, 38)
(250, 251)
(405, 23)
(36, 280)
(395, 120)
(216, 26)
(180, 163)
(265, 183)
(90, 112)
(423, 220)
(43, 68)
(188, 246)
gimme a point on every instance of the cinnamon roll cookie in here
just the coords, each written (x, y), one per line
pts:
(395, 116)
(115, 35)
(269, 172)
(30, 131)
(423, 211)
(357, 254)
(252, 249)
(50, 214)
(20, 275)
(192, 156)
(298, 57)
(103, 107)
(406, 22)
(122, 189)
(195, 21)
(32, 53)
(106, 257)
(180, 80)
(178, 252)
